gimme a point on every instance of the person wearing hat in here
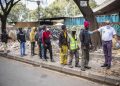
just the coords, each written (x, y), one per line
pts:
(63, 44)
(74, 49)
(32, 40)
(107, 33)
(85, 40)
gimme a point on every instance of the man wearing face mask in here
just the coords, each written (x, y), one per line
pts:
(107, 33)
(85, 46)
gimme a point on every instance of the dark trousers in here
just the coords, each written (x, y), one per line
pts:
(85, 57)
(72, 53)
(107, 49)
(41, 50)
(32, 48)
(40, 54)
(49, 47)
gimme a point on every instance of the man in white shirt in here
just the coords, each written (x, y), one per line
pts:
(107, 33)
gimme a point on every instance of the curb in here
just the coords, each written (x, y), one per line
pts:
(101, 56)
(111, 80)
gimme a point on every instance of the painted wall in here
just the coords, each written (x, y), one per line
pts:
(78, 21)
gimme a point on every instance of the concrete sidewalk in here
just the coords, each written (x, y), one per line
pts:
(96, 73)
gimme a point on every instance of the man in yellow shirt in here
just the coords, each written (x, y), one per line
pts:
(32, 40)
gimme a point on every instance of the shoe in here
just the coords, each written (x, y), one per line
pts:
(104, 65)
(108, 67)
(35, 54)
(70, 66)
(87, 67)
(83, 69)
(5, 54)
(44, 59)
(24, 54)
(40, 57)
(32, 54)
(77, 66)
(47, 57)
(52, 60)
(21, 55)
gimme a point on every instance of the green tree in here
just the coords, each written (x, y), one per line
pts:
(6, 6)
(68, 8)
(92, 3)
(34, 14)
(18, 13)
(89, 16)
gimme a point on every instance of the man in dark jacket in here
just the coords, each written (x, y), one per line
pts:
(39, 42)
(4, 39)
(85, 45)
(21, 39)
(63, 44)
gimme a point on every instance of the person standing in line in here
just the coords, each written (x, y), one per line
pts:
(21, 37)
(74, 49)
(4, 39)
(86, 43)
(107, 33)
(46, 40)
(63, 44)
(32, 40)
(39, 36)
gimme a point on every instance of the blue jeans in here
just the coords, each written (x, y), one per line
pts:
(22, 48)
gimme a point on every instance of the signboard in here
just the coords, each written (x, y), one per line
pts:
(83, 3)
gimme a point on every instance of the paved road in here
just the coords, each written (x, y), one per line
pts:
(14, 73)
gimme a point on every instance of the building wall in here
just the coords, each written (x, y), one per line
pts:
(78, 21)
(100, 19)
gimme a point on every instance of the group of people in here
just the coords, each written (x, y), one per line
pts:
(43, 38)
(69, 42)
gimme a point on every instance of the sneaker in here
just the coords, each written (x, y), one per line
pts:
(83, 69)
(24, 54)
(104, 65)
(108, 67)
(21, 55)
(87, 67)
(77, 66)
(52, 60)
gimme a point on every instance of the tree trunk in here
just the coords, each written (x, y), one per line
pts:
(3, 23)
(89, 16)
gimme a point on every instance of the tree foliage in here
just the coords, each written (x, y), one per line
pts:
(6, 6)
(60, 9)
(89, 16)
(18, 13)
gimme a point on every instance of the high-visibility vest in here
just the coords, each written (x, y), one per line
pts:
(73, 43)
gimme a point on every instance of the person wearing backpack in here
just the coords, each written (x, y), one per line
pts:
(4, 39)
(86, 43)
